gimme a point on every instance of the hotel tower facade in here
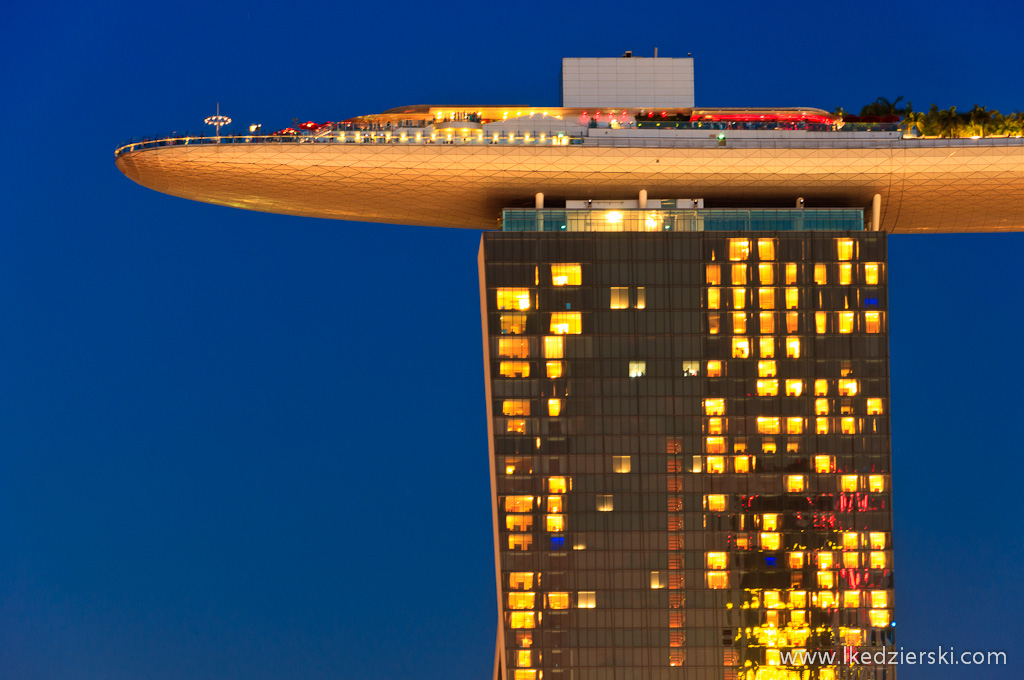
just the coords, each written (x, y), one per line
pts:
(685, 329)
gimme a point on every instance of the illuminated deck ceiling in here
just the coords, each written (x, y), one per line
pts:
(931, 185)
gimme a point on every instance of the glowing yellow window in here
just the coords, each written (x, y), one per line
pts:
(848, 387)
(514, 369)
(586, 599)
(739, 298)
(792, 322)
(851, 560)
(622, 464)
(714, 369)
(844, 249)
(518, 503)
(877, 540)
(739, 323)
(872, 322)
(851, 540)
(566, 274)
(821, 426)
(557, 600)
(794, 425)
(871, 273)
(792, 298)
(820, 387)
(768, 446)
(554, 407)
(825, 560)
(823, 464)
(740, 348)
(741, 464)
(821, 322)
(794, 388)
(554, 347)
(557, 485)
(713, 323)
(521, 600)
(714, 407)
(765, 249)
(524, 659)
(793, 348)
(716, 445)
(716, 464)
(845, 322)
(820, 274)
(714, 298)
(620, 297)
(767, 388)
(795, 561)
(768, 425)
(515, 407)
(770, 522)
(876, 483)
(770, 540)
(520, 542)
(605, 502)
(879, 599)
(828, 672)
(767, 324)
(874, 406)
(641, 298)
(767, 347)
(771, 599)
(739, 249)
(795, 483)
(878, 560)
(772, 657)
(554, 504)
(715, 502)
(566, 323)
(766, 369)
(739, 275)
(845, 274)
(717, 560)
(513, 348)
(520, 580)
(713, 275)
(718, 580)
(851, 599)
(519, 522)
(848, 425)
(522, 620)
(715, 426)
(821, 407)
(766, 298)
(526, 674)
(879, 618)
(826, 579)
(766, 274)
(848, 483)
(554, 369)
(790, 273)
(513, 324)
(827, 600)
(513, 298)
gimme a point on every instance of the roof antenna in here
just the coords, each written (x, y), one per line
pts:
(655, 52)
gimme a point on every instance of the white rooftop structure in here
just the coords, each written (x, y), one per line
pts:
(627, 82)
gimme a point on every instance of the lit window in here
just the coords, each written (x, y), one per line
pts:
(718, 580)
(739, 275)
(765, 249)
(874, 406)
(871, 273)
(845, 274)
(821, 426)
(637, 369)
(605, 503)
(739, 298)
(566, 323)
(741, 464)
(767, 346)
(878, 560)
(766, 274)
(827, 600)
(586, 599)
(714, 369)
(821, 407)
(521, 600)
(513, 298)
(872, 322)
(879, 618)
(790, 273)
(771, 600)
(879, 599)
(620, 298)
(717, 560)
(519, 522)
(715, 426)
(513, 324)
(797, 598)
(739, 249)
(518, 503)
(795, 561)
(554, 504)
(622, 464)
(792, 298)
(770, 522)
(766, 369)
(877, 540)
(767, 325)
(740, 348)
(715, 502)
(641, 298)
(716, 445)
(713, 275)
(557, 485)
(794, 425)
(716, 464)
(768, 446)
(554, 407)
(739, 323)
(848, 425)
(770, 540)
(554, 369)
(714, 298)
(520, 580)
(524, 659)
(714, 407)
(515, 407)
(844, 249)
(820, 387)
(520, 542)
(691, 369)
(851, 540)
(553, 347)
(522, 620)
(767, 388)
(657, 580)
(851, 560)
(820, 274)
(848, 387)
(876, 483)
(772, 657)
(513, 348)
(767, 425)
(526, 674)
(514, 369)
(557, 600)
(851, 599)
(823, 464)
(794, 388)
(826, 579)
(566, 274)
(793, 348)
(795, 483)
(792, 322)
(848, 483)
(766, 298)
(829, 673)
(820, 322)
(845, 322)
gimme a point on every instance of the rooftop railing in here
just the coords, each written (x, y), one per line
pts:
(660, 220)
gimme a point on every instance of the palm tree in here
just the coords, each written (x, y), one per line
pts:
(1008, 125)
(981, 119)
(914, 121)
(882, 107)
(948, 122)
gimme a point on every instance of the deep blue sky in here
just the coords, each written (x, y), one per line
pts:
(247, 446)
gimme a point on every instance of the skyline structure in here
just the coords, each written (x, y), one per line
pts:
(689, 441)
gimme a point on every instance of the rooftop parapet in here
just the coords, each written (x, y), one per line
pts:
(642, 220)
